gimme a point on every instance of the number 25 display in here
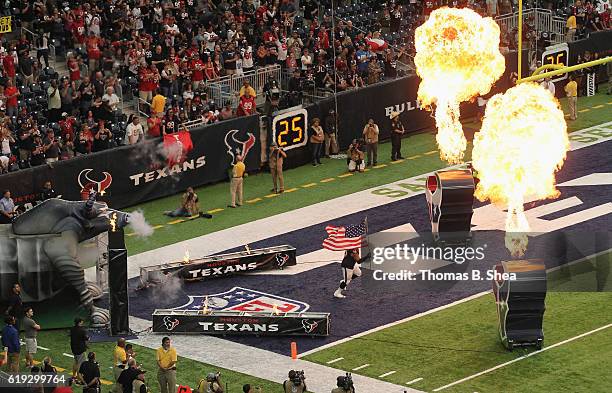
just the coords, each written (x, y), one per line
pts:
(290, 129)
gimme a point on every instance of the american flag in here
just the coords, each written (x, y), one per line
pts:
(346, 238)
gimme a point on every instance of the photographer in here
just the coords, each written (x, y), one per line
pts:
(355, 156)
(212, 384)
(189, 205)
(295, 383)
(370, 133)
(276, 159)
(345, 384)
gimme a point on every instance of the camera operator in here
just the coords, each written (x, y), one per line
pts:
(295, 383)
(276, 159)
(212, 384)
(370, 133)
(345, 384)
(272, 93)
(355, 156)
(189, 205)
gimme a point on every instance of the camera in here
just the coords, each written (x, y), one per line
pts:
(298, 377)
(213, 377)
(345, 382)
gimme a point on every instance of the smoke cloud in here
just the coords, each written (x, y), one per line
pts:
(170, 289)
(139, 224)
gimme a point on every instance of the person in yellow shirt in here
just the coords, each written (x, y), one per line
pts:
(119, 362)
(571, 91)
(236, 182)
(158, 104)
(166, 361)
(571, 28)
(246, 86)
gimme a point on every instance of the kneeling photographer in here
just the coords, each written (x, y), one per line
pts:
(189, 206)
(345, 384)
(355, 156)
(296, 382)
(212, 384)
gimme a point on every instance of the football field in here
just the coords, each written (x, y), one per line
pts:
(428, 342)
(457, 348)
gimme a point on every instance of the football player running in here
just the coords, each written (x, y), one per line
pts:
(350, 270)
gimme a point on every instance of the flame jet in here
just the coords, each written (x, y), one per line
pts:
(457, 58)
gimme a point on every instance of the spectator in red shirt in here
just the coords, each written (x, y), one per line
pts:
(246, 106)
(93, 51)
(78, 32)
(154, 126)
(73, 69)
(67, 124)
(148, 78)
(8, 63)
(11, 93)
(197, 71)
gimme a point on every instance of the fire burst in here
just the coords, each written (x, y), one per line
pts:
(457, 58)
(522, 143)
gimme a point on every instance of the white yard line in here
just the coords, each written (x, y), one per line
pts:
(335, 360)
(414, 381)
(43, 348)
(387, 374)
(361, 367)
(68, 355)
(376, 329)
(523, 357)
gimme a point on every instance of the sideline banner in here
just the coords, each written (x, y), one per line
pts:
(134, 174)
(241, 324)
(223, 265)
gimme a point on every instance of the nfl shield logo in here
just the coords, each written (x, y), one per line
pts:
(246, 300)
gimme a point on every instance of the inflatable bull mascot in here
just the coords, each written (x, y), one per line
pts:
(45, 239)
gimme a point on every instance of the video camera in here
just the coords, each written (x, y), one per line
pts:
(345, 382)
(298, 377)
(213, 377)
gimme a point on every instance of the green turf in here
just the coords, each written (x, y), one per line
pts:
(463, 340)
(258, 186)
(189, 371)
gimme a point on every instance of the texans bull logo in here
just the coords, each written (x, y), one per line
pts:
(171, 323)
(88, 184)
(281, 259)
(236, 147)
(309, 326)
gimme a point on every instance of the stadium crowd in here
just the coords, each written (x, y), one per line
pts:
(168, 53)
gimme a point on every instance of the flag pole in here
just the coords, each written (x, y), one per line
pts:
(367, 234)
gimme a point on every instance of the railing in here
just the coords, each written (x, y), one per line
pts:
(543, 21)
(137, 102)
(559, 25)
(226, 88)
